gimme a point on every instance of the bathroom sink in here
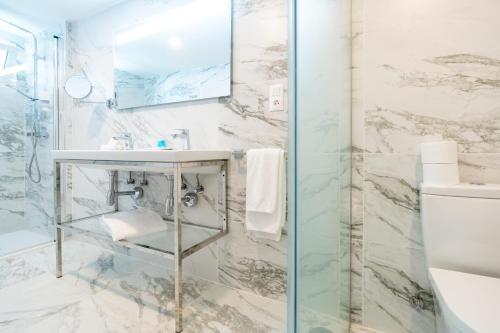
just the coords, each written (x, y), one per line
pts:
(146, 155)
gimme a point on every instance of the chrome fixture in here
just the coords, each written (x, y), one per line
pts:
(130, 180)
(113, 192)
(55, 93)
(199, 187)
(184, 183)
(169, 203)
(420, 299)
(144, 181)
(190, 199)
(240, 154)
(80, 88)
(184, 134)
(126, 138)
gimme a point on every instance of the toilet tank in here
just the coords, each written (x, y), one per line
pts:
(461, 227)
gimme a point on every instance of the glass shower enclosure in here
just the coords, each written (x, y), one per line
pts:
(320, 166)
(26, 73)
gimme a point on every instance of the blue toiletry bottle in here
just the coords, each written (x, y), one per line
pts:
(161, 144)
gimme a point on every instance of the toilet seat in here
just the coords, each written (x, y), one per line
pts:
(471, 301)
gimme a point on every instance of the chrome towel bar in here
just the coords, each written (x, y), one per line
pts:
(240, 154)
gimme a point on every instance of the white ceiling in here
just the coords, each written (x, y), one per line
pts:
(49, 12)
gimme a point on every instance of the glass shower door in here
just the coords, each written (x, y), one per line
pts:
(321, 165)
(25, 124)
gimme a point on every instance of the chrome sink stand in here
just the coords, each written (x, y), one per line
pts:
(175, 169)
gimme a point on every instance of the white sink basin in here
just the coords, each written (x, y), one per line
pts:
(142, 155)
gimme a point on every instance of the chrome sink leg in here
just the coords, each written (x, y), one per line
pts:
(178, 247)
(57, 217)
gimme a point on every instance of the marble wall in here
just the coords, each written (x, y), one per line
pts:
(11, 161)
(259, 60)
(422, 71)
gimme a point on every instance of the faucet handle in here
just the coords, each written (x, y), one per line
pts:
(126, 138)
(183, 132)
(122, 135)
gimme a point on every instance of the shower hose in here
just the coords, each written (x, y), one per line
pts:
(37, 177)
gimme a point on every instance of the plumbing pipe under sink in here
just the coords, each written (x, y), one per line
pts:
(113, 193)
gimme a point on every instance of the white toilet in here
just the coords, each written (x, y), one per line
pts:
(461, 226)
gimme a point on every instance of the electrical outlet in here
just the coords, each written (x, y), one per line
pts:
(276, 98)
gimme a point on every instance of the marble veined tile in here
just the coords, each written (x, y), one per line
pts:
(391, 200)
(12, 197)
(356, 289)
(416, 90)
(357, 193)
(479, 168)
(260, 51)
(253, 264)
(401, 131)
(11, 121)
(391, 276)
(16, 269)
(357, 37)
(246, 113)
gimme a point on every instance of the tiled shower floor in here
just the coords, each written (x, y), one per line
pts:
(106, 292)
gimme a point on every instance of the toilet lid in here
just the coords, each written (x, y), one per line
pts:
(473, 300)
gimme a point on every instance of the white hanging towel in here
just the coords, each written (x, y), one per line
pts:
(133, 223)
(266, 192)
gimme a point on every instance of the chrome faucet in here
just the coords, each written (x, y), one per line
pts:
(184, 134)
(126, 138)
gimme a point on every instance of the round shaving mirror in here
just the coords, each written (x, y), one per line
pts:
(78, 86)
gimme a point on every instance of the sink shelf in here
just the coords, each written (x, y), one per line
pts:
(195, 236)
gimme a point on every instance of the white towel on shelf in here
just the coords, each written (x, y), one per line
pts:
(133, 223)
(266, 192)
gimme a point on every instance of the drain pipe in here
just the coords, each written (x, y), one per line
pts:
(113, 193)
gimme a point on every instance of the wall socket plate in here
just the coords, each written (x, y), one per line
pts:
(276, 100)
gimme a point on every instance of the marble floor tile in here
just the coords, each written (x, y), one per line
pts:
(103, 291)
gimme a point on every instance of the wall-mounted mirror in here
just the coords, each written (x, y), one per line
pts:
(78, 86)
(182, 54)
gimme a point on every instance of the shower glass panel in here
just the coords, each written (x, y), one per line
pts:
(321, 166)
(25, 124)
